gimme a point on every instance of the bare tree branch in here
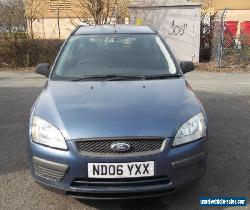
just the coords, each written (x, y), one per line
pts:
(101, 10)
(12, 18)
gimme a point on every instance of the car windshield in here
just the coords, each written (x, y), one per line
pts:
(113, 54)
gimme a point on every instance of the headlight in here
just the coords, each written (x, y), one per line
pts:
(192, 130)
(44, 133)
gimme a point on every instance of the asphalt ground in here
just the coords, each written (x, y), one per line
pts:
(226, 98)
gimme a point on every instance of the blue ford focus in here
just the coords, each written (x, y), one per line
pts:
(116, 118)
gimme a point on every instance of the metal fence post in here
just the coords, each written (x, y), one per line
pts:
(221, 44)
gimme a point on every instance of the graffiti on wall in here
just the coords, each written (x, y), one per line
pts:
(178, 29)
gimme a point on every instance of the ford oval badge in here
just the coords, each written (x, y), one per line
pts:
(120, 147)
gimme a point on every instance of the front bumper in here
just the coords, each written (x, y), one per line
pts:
(174, 168)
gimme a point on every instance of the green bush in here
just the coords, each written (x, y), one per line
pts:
(13, 35)
(25, 52)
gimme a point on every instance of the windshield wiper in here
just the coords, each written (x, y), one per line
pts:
(111, 77)
(162, 76)
(107, 77)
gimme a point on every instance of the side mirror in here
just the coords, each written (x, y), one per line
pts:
(187, 66)
(43, 69)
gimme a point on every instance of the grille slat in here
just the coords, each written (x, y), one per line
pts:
(97, 147)
(48, 173)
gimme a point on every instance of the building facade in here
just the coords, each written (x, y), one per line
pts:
(229, 4)
(53, 19)
(235, 10)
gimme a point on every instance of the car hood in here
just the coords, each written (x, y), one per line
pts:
(117, 108)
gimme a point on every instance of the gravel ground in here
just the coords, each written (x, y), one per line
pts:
(226, 97)
(213, 67)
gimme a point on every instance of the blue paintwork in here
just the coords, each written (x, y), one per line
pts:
(113, 109)
(120, 29)
(89, 109)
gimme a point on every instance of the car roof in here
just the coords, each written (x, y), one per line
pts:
(111, 29)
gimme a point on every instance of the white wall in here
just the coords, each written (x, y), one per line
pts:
(180, 26)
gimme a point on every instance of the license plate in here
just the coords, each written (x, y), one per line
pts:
(121, 170)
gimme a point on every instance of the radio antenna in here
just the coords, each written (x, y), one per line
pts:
(115, 15)
(114, 19)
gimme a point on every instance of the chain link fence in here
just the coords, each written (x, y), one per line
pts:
(231, 41)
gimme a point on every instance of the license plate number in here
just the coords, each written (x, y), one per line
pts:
(121, 170)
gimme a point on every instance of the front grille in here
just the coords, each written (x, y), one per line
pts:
(125, 182)
(143, 146)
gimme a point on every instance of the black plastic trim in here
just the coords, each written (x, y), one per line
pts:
(119, 196)
(189, 160)
(124, 182)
